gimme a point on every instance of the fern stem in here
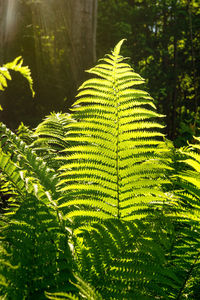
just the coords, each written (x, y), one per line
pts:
(117, 140)
(187, 277)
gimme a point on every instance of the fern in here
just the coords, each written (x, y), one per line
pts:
(90, 211)
(15, 65)
(115, 166)
(33, 233)
(49, 138)
(26, 158)
(24, 133)
(86, 291)
(186, 251)
(126, 260)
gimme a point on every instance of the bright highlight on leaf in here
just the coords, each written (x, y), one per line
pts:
(115, 163)
(17, 66)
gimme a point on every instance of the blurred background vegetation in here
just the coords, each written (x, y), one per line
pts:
(59, 39)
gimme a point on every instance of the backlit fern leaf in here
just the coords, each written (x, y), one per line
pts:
(52, 131)
(25, 157)
(17, 66)
(24, 133)
(49, 138)
(33, 234)
(33, 239)
(186, 251)
(114, 168)
(85, 291)
(124, 260)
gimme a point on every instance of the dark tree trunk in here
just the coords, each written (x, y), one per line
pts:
(57, 39)
(1, 32)
(81, 18)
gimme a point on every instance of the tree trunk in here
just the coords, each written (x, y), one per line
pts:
(8, 25)
(82, 20)
(2, 30)
(57, 39)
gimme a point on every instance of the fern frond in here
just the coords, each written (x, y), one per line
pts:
(17, 66)
(85, 291)
(26, 158)
(33, 237)
(24, 133)
(185, 254)
(125, 260)
(117, 155)
(34, 240)
(51, 131)
(49, 138)
(12, 172)
(60, 296)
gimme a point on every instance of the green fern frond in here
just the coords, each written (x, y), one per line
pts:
(17, 66)
(49, 138)
(117, 155)
(26, 158)
(185, 253)
(60, 296)
(34, 241)
(51, 131)
(29, 230)
(125, 260)
(85, 291)
(24, 133)
(12, 173)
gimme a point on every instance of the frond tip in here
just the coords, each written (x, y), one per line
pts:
(118, 47)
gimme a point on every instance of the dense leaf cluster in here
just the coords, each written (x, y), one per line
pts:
(98, 204)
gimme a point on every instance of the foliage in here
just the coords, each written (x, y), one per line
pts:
(118, 122)
(32, 217)
(100, 205)
(15, 65)
(49, 138)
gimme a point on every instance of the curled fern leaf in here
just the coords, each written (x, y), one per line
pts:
(17, 66)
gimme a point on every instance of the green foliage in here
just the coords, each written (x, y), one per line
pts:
(51, 132)
(126, 260)
(33, 235)
(118, 157)
(25, 133)
(15, 65)
(95, 208)
(49, 138)
(86, 291)
(187, 248)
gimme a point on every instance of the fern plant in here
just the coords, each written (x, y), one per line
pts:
(49, 138)
(36, 256)
(186, 252)
(15, 65)
(116, 166)
(96, 209)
